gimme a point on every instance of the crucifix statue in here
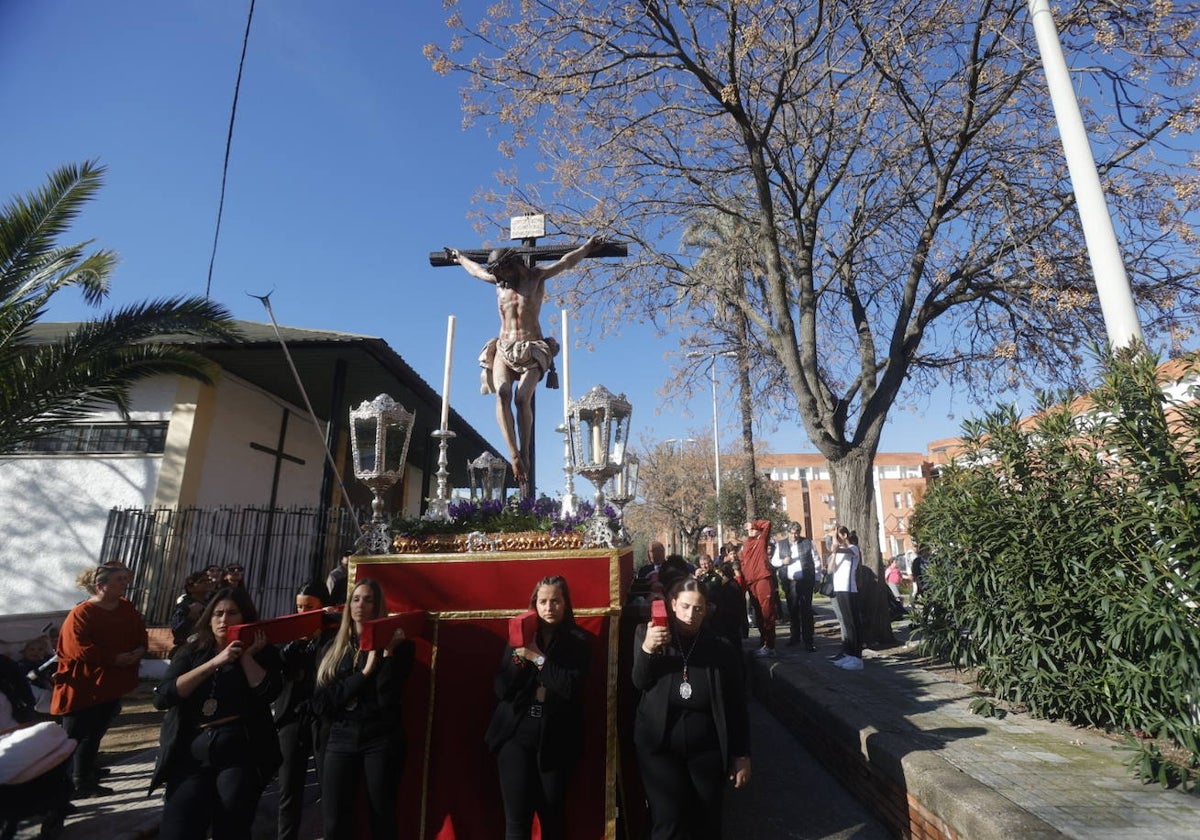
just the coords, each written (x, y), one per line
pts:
(514, 362)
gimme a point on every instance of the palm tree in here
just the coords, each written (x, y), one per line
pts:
(47, 384)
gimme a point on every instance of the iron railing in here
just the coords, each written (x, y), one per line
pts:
(280, 548)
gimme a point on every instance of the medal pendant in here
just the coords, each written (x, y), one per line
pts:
(210, 707)
(685, 690)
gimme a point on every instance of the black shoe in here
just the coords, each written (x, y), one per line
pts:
(52, 824)
(89, 791)
(836, 657)
(810, 647)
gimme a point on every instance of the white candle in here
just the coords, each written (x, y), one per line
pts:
(446, 375)
(566, 377)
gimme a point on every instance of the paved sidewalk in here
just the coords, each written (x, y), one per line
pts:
(1015, 777)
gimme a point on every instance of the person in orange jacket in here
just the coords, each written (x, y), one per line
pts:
(100, 645)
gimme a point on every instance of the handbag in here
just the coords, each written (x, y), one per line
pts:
(826, 587)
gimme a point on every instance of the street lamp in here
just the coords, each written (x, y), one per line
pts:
(379, 434)
(712, 367)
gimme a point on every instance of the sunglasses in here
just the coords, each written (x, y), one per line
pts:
(233, 569)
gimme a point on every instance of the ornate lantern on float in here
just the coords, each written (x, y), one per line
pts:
(379, 434)
(599, 434)
(487, 477)
(623, 490)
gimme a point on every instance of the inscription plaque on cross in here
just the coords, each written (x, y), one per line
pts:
(515, 361)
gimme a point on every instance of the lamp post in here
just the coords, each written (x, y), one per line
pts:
(712, 368)
(599, 435)
(379, 434)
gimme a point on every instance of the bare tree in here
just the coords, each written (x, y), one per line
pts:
(897, 166)
(676, 485)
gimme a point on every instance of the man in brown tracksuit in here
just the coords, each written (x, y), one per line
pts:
(756, 568)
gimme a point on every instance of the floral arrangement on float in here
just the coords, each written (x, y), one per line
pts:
(496, 525)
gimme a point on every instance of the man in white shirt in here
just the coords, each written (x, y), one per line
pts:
(797, 560)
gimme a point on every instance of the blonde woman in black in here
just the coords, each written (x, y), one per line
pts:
(692, 730)
(358, 699)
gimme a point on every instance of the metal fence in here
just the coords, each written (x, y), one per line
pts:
(280, 548)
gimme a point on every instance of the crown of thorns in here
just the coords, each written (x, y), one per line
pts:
(499, 256)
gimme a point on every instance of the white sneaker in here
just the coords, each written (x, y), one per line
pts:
(764, 651)
(850, 663)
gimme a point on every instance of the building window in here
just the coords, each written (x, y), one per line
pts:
(99, 439)
(908, 499)
(896, 501)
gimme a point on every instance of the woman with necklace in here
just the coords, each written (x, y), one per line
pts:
(218, 747)
(692, 730)
(101, 643)
(537, 728)
(358, 700)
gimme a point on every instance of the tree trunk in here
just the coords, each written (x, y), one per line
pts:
(853, 478)
(746, 400)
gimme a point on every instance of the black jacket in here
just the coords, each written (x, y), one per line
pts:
(563, 676)
(183, 713)
(370, 705)
(713, 659)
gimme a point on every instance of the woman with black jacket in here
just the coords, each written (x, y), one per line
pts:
(692, 728)
(537, 728)
(358, 699)
(293, 714)
(218, 747)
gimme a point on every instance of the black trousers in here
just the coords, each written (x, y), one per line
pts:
(217, 784)
(296, 745)
(800, 608)
(685, 781)
(347, 761)
(88, 726)
(526, 789)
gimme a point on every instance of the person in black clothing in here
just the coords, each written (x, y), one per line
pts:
(293, 717)
(692, 729)
(197, 589)
(537, 728)
(728, 603)
(218, 747)
(358, 699)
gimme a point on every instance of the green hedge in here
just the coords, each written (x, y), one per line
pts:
(1063, 562)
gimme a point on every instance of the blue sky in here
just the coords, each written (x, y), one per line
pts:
(349, 164)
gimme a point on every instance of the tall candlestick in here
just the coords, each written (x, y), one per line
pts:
(566, 366)
(446, 377)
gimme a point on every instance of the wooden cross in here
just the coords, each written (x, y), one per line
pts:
(531, 253)
(279, 455)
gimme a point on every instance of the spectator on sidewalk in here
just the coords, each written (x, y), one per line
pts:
(846, 559)
(100, 645)
(798, 563)
(760, 581)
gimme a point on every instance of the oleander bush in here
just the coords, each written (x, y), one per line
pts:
(1063, 563)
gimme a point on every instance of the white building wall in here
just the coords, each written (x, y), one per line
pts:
(236, 474)
(55, 508)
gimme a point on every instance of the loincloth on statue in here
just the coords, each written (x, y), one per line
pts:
(518, 356)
